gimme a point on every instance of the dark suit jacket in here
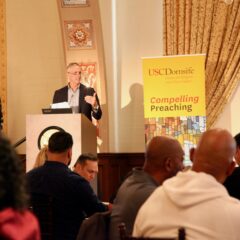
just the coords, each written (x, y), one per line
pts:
(61, 95)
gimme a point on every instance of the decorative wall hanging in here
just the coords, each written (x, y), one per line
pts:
(75, 3)
(88, 73)
(79, 34)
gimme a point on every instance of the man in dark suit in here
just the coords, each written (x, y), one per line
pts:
(81, 99)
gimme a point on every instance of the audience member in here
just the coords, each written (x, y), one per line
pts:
(232, 183)
(73, 197)
(196, 199)
(16, 221)
(164, 158)
(41, 157)
(86, 166)
(82, 99)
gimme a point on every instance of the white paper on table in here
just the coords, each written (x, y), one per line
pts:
(60, 105)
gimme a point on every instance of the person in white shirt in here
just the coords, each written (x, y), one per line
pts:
(196, 199)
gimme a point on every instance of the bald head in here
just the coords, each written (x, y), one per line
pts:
(164, 157)
(214, 154)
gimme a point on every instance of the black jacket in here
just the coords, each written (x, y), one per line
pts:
(73, 196)
(61, 95)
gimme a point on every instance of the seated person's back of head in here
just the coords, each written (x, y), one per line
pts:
(195, 199)
(72, 195)
(41, 157)
(14, 214)
(164, 158)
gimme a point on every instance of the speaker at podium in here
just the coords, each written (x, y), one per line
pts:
(39, 127)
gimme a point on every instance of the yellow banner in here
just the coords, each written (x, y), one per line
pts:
(174, 86)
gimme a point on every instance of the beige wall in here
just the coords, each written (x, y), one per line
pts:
(36, 65)
(35, 60)
(230, 117)
(138, 26)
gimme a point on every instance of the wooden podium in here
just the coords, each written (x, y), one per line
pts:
(79, 126)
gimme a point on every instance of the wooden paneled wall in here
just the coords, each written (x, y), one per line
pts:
(113, 168)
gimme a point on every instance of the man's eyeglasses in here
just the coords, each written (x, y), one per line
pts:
(75, 73)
